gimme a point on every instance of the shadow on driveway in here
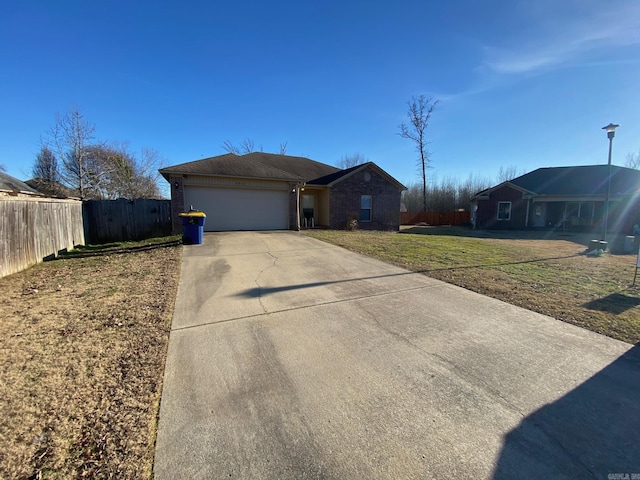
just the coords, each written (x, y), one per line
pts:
(258, 291)
(591, 432)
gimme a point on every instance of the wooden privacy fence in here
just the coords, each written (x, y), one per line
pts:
(34, 229)
(435, 218)
(125, 220)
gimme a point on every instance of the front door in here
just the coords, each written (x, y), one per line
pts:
(539, 215)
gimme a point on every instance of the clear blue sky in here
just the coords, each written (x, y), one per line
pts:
(520, 82)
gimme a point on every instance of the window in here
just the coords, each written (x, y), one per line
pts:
(365, 208)
(504, 210)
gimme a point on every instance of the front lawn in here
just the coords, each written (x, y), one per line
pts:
(551, 276)
(82, 349)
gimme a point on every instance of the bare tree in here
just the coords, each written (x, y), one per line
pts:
(446, 195)
(3, 168)
(351, 160)
(419, 114)
(633, 161)
(230, 147)
(469, 187)
(509, 173)
(72, 136)
(126, 175)
(146, 166)
(246, 146)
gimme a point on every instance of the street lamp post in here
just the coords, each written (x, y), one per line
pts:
(611, 132)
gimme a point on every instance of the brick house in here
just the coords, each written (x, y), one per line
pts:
(262, 191)
(572, 198)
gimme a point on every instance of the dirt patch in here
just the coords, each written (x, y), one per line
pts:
(82, 349)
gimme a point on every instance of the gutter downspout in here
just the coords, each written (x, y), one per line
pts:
(526, 220)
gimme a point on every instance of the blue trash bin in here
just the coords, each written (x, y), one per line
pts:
(193, 227)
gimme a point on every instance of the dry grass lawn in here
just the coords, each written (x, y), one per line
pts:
(545, 273)
(82, 349)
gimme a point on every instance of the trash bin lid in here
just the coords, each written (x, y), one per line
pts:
(192, 214)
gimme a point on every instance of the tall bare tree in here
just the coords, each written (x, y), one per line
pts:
(283, 148)
(72, 136)
(419, 113)
(351, 160)
(633, 161)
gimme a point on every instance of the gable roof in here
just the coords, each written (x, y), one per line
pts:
(11, 184)
(333, 178)
(253, 165)
(574, 181)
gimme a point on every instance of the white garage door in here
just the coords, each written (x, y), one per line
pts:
(230, 209)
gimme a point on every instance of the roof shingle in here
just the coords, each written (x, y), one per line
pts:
(580, 180)
(7, 182)
(254, 165)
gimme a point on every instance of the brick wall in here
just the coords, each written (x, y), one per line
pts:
(487, 214)
(344, 203)
(177, 203)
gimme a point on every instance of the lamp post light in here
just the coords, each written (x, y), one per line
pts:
(611, 132)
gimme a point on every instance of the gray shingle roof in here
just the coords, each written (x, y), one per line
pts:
(580, 180)
(340, 174)
(254, 165)
(52, 189)
(332, 177)
(7, 182)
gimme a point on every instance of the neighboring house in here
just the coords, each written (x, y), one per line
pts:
(263, 191)
(562, 197)
(12, 186)
(52, 189)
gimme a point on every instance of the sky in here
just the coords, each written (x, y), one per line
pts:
(520, 83)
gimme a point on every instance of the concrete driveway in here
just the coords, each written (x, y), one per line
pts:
(292, 358)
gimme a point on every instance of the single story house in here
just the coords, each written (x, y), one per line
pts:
(264, 191)
(52, 189)
(12, 186)
(571, 198)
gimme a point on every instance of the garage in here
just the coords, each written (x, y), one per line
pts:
(240, 209)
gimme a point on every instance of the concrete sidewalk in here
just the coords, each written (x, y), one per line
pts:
(292, 358)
